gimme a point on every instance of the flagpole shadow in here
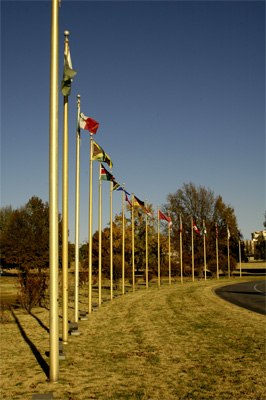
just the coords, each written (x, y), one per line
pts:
(43, 364)
(41, 323)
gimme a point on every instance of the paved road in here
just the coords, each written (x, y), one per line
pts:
(250, 295)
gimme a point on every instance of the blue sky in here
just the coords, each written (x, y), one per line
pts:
(178, 88)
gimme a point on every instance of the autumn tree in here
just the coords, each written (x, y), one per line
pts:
(25, 237)
(5, 214)
(199, 203)
(139, 246)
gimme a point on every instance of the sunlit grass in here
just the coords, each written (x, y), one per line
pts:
(177, 342)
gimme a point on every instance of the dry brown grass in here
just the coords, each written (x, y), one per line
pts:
(177, 342)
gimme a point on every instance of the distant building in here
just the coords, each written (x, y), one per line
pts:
(251, 244)
(255, 235)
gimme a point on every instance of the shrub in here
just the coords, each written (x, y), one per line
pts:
(32, 290)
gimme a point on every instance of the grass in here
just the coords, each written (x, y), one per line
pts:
(176, 342)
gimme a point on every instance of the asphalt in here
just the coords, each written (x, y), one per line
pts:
(249, 295)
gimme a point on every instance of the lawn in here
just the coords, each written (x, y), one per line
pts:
(173, 342)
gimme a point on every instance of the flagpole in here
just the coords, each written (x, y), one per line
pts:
(133, 244)
(100, 238)
(53, 197)
(192, 248)
(111, 240)
(228, 255)
(147, 262)
(65, 215)
(76, 301)
(159, 266)
(204, 246)
(169, 251)
(181, 255)
(123, 243)
(217, 257)
(240, 257)
(90, 225)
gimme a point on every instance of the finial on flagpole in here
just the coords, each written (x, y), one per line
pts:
(66, 33)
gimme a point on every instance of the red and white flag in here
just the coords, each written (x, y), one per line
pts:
(168, 219)
(88, 123)
(195, 227)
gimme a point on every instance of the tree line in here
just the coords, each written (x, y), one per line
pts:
(25, 236)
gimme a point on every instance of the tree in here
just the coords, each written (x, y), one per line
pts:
(25, 238)
(5, 214)
(139, 246)
(201, 204)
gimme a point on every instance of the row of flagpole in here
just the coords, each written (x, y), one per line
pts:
(82, 122)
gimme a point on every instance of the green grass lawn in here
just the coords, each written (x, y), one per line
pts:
(175, 342)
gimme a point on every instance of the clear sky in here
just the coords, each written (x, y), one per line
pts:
(178, 88)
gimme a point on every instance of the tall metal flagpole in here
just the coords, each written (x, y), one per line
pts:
(65, 215)
(181, 255)
(204, 247)
(100, 238)
(192, 248)
(217, 257)
(123, 242)
(159, 265)
(228, 255)
(147, 257)
(133, 245)
(169, 249)
(90, 225)
(240, 257)
(76, 301)
(53, 197)
(111, 240)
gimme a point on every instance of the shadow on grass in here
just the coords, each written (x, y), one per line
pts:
(40, 323)
(43, 364)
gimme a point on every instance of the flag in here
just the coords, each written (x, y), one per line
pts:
(150, 214)
(127, 199)
(216, 230)
(105, 175)
(120, 188)
(88, 123)
(68, 75)
(138, 202)
(168, 219)
(116, 186)
(240, 235)
(98, 154)
(228, 233)
(181, 225)
(195, 227)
